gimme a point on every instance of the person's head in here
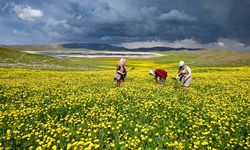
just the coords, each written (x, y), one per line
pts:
(181, 64)
(152, 72)
(122, 61)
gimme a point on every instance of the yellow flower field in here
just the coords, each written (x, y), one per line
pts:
(83, 110)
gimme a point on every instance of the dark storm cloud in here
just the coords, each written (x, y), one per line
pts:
(97, 19)
(115, 21)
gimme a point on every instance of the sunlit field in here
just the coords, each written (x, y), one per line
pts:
(42, 109)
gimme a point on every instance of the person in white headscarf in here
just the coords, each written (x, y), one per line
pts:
(121, 72)
(184, 74)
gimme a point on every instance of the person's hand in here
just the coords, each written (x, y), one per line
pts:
(121, 73)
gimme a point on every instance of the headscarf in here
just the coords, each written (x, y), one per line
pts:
(152, 72)
(122, 61)
(181, 63)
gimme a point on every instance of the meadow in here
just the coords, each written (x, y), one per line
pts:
(48, 109)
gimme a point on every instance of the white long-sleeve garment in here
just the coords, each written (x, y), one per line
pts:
(186, 72)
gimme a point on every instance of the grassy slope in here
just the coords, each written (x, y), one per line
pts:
(211, 57)
(10, 57)
(36, 47)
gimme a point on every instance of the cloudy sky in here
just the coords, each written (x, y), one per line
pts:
(128, 23)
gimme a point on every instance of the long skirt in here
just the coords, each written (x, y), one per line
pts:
(186, 82)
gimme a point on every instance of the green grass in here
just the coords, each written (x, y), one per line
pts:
(12, 57)
(215, 57)
(8, 55)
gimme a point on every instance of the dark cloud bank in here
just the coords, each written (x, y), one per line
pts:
(205, 23)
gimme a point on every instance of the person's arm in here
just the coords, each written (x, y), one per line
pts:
(189, 72)
(121, 73)
(126, 69)
(156, 78)
(178, 74)
(156, 75)
(118, 70)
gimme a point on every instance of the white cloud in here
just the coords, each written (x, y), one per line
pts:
(221, 44)
(176, 15)
(27, 13)
(190, 43)
(234, 45)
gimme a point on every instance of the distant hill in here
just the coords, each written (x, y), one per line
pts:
(11, 55)
(49, 47)
(163, 49)
(108, 47)
(93, 46)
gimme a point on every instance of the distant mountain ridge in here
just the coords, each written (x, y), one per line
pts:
(165, 49)
(95, 46)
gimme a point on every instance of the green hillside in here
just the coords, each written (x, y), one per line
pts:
(36, 47)
(12, 57)
(9, 55)
(218, 57)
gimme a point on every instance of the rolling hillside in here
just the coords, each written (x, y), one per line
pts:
(11, 57)
(94, 46)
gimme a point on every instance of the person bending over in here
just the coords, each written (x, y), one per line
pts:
(160, 75)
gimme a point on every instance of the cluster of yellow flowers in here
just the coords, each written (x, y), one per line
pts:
(84, 110)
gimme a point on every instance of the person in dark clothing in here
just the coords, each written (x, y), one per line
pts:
(160, 75)
(121, 72)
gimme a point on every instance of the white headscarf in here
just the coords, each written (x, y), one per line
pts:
(152, 72)
(181, 63)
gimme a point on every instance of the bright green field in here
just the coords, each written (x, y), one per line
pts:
(42, 109)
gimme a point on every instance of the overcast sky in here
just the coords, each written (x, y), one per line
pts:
(128, 23)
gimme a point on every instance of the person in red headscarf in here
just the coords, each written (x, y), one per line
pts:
(160, 75)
